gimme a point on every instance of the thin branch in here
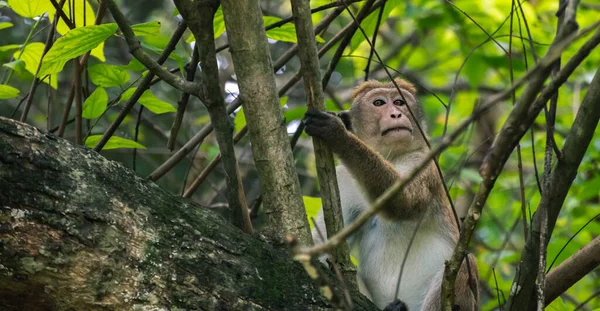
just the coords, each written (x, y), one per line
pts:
(136, 50)
(36, 80)
(142, 87)
(78, 70)
(374, 40)
(190, 74)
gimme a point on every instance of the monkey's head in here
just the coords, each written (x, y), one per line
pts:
(380, 117)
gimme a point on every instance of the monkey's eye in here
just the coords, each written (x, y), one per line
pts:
(399, 102)
(379, 102)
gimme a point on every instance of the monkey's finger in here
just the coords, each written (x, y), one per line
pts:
(316, 114)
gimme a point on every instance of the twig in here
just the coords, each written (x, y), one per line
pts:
(78, 70)
(183, 100)
(374, 40)
(142, 87)
(136, 50)
(36, 80)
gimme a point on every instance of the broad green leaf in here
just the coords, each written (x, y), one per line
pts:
(127, 94)
(31, 8)
(135, 65)
(18, 66)
(108, 75)
(90, 18)
(10, 47)
(239, 120)
(7, 91)
(5, 25)
(75, 43)
(31, 55)
(557, 305)
(114, 142)
(312, 206)
(146, 29)
(95, 104)
(286, 33)
(369, 23)
(154, 104)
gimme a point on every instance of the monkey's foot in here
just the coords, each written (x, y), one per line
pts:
(397, 305)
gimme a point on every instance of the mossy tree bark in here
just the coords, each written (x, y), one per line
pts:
(79, 232)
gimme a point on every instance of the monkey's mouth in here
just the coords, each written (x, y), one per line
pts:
(396, 129)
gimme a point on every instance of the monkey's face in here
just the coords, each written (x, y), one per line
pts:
(381, 118)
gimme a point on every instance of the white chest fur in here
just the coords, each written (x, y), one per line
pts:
(380, 247)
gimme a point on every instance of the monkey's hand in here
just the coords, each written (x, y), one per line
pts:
(326, 126)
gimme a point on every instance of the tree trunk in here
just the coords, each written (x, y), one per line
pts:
(79, 232)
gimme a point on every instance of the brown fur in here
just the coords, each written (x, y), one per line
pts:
(378, 157)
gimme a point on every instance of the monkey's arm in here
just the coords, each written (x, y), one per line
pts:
(371, 170)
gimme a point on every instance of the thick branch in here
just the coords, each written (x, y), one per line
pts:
(79, 232)
(270, 145)
(311, 75)
(572, 270)
(199, 16)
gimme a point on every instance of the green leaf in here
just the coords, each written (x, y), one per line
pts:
(312, 206)
(73, 44)
(283, 100)
(10, 47)
(3, 4)
(17, 66)
(31, 55)
(5, 25)
(127, 94)
(218, 23)
(31, 8)
(7, 91)
(239, 120)
(108, 75)
(154, 104)
(557, 305)
(95, 104)
(146, 29)
(286, 33)
(135, 65)
(114, 142)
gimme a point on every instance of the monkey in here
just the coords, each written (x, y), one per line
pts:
(378, 143)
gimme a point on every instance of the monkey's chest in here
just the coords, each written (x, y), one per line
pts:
(381, 251)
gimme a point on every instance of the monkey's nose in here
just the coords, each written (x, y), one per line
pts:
(396, 116)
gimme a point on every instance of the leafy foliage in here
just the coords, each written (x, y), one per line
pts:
(444, 49)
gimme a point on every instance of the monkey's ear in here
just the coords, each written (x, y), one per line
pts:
(345, 116)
